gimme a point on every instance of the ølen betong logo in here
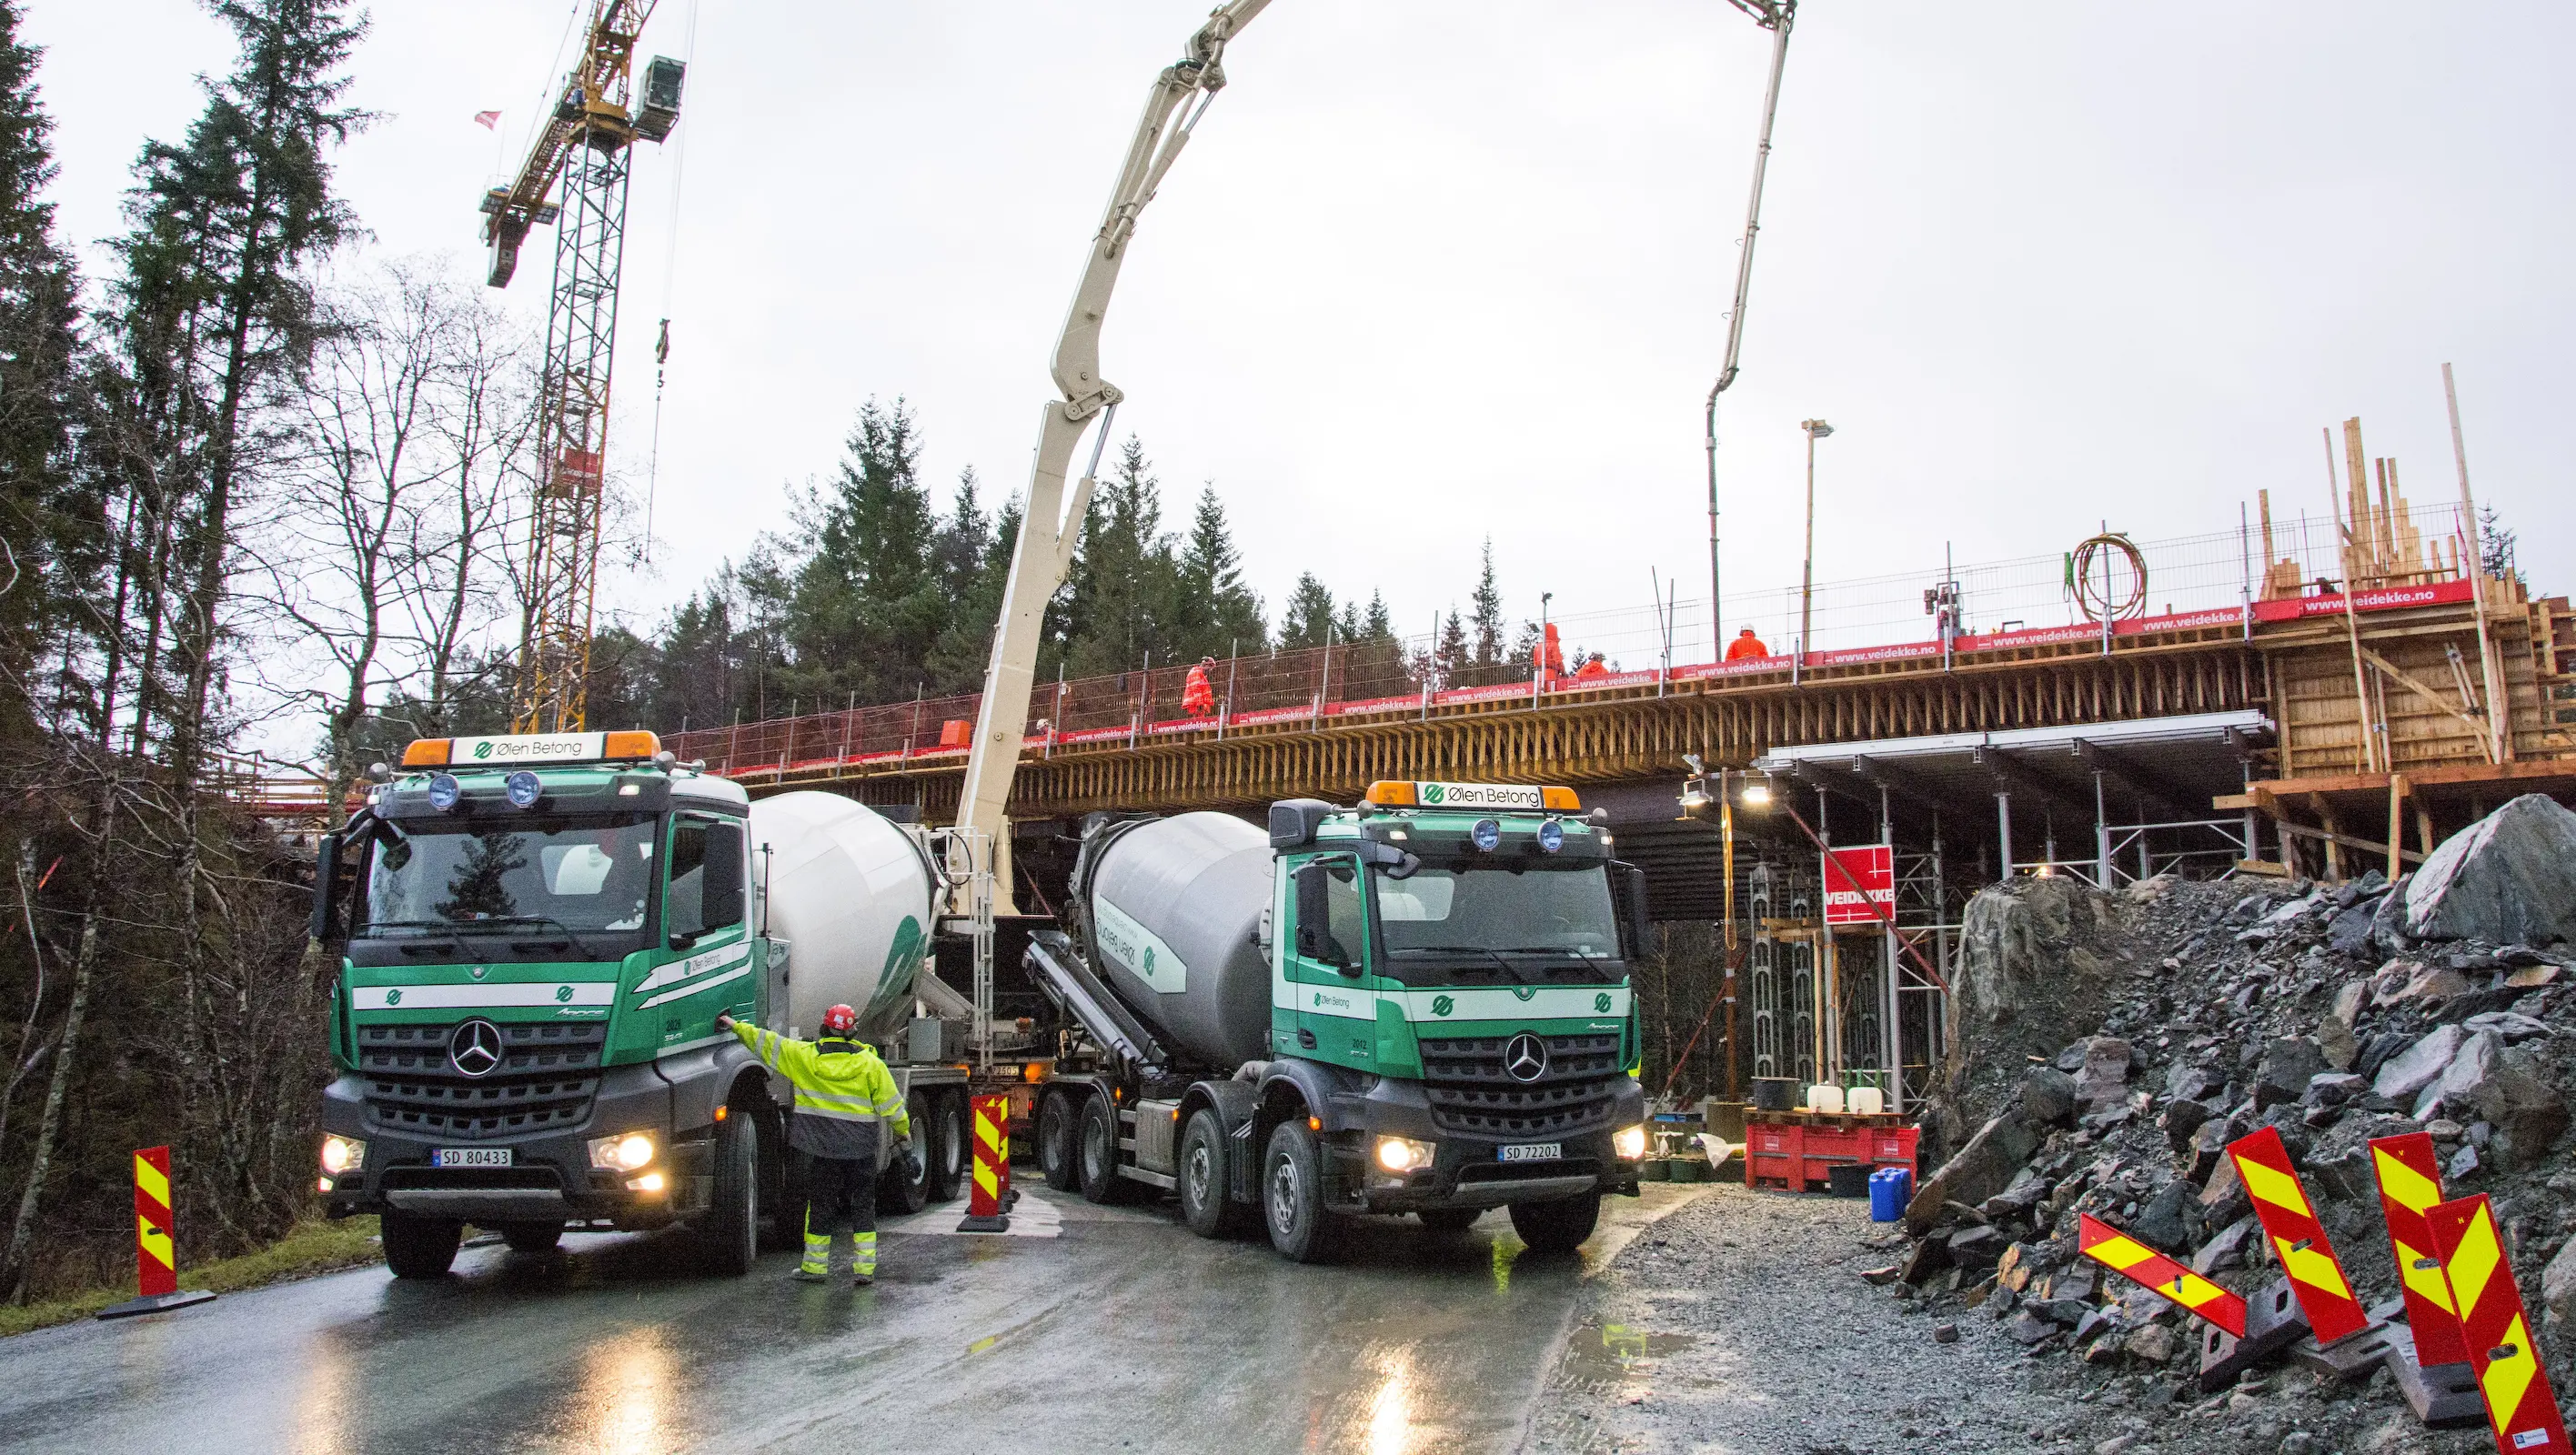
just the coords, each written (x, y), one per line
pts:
(563, 993)
(1433, 793)
(393, 998)
(1442, 1005)
(1601, 1003)
(482, 750)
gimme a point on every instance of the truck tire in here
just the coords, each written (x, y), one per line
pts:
(418, 1247)
(1292, 1196)
(1206, 1205)
(1448, 1221)
(532, 1237)
(728, 1232)
(898, 1191)
(1556, 1227)
(1056, 1155)
(1096, 1154)
(947, 1145)
(782, 1188)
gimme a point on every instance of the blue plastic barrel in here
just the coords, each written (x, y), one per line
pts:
(1890, 1189)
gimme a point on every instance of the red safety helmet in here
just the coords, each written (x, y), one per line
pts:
(840, 1020)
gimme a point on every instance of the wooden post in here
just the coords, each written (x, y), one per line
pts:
(2334, 850)
(1726, 951)
(2423, 828)
(2396, 822)
(2369, 760)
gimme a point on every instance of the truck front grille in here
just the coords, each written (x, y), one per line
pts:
(1471, 1093)
(547, 1077)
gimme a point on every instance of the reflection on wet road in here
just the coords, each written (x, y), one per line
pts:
(1123, 1333)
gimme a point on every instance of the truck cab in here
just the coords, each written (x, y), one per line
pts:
(540, 932)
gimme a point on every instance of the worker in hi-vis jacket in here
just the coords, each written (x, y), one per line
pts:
(843, 1093)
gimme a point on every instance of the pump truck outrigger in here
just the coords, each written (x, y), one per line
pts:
(1417, 1005)
(540, 933)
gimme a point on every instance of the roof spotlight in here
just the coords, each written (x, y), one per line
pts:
(1551, 836)
(1487, 834)
(523, 789)
(444, 790)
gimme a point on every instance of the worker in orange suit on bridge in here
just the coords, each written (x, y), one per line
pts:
(1746, 644)
(1548, 657)
(1197, 698)
(1592, 667)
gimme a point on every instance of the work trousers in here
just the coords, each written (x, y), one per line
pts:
(840, 1197)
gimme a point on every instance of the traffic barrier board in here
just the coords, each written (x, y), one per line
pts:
(2410, 1186)
(2136, 1261)
(2299, 1241)
(2520, 1405)
(156, 1255)
(988, 1198)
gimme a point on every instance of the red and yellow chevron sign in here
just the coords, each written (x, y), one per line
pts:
(2298, 1239)
(2519, 1403)
(2132, 1259)
(992, 1176)
(2410, 1184)
(155, 1259)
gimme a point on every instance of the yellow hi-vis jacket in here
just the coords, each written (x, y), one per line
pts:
(842, 1092)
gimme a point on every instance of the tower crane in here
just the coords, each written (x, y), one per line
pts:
(587, 144)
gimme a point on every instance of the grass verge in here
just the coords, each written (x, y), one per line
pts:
(310, 1248)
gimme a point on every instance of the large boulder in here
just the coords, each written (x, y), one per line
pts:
(1981, 1169)
(2419, 1065)
(2039, 967)
(2506, 1088)
(2509, 878)
(2104, 1080)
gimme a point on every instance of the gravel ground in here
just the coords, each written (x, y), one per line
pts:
(1740, 1325)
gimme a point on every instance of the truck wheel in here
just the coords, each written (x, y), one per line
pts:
(782, 1193)
(947, 1147)
(532, 1237)
(1096, 1154)
(898, 1191)
(1292, 1196)
(1556, 1227)
(729, 1231)
(1056, 1143)
(1449, 1220)
(1205, 1203)
(418, 1247)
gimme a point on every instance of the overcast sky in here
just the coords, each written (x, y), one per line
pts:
(1435, 270)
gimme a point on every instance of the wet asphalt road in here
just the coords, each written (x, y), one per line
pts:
(1088, 1329)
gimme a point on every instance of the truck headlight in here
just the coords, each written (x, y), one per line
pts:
(1403, 1154)
(343, 1154)
(1629, 1142)
(622, 1153)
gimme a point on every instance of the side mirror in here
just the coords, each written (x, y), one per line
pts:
(326, 889)
(1632, 900)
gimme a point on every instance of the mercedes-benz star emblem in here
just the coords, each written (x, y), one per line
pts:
(1525, 1057)
(474, 1048)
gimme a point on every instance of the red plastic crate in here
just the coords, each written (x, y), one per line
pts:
(1772, 1155)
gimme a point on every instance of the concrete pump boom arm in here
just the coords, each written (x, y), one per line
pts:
(1050, 524)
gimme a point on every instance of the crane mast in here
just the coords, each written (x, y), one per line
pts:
(586, 144)
(1051, 524)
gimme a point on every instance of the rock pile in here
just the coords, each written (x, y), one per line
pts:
(2110, 1046)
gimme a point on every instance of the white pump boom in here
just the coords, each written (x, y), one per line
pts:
(1051, 525)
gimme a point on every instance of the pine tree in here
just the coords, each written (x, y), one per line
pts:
(1215, 614)
(868, 600)
(52, 522)
(1450, 657)
(1127, 578)
(1309, 619)
(1485, 613)
(973, 566)
(215, 309)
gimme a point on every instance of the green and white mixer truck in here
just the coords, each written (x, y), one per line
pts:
(540, 932)
(1419, 1004)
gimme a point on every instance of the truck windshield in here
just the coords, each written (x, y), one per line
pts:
(580, 876)
(1451, 923)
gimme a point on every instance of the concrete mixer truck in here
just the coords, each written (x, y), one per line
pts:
(1418, 1004)
(540, 932)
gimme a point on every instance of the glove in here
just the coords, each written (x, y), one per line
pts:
(724, 1021)
(912, 1159)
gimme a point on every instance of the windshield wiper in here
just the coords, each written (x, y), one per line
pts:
(1508, 969)
(570, 934)
(1586, 956)
(369, 928)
